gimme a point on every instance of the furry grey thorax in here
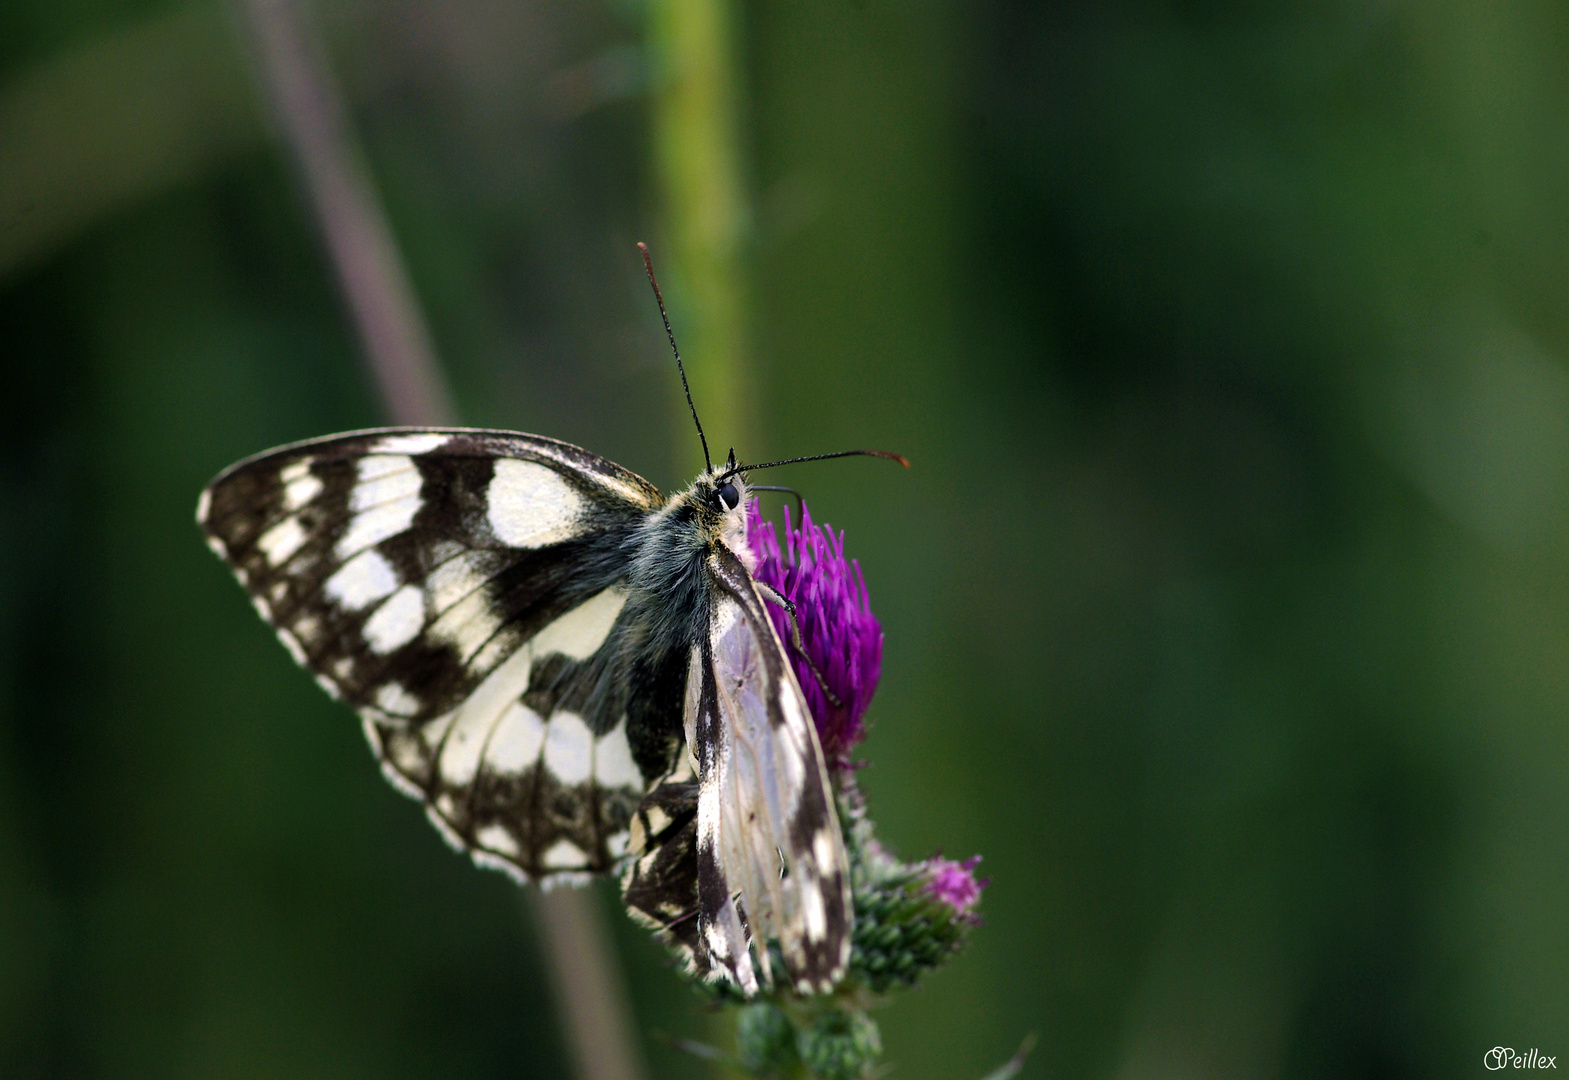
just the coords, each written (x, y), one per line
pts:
(667, 584)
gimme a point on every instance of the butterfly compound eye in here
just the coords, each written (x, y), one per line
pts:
(728, 495)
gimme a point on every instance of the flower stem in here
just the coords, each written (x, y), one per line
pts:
(698, 172)
(313, 119)
(698, 164)
(314, 122)
(583, 967)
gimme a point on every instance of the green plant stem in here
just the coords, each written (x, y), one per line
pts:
(698, 165)
(698, 173)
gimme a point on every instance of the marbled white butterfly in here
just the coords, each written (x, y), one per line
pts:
(574, 672)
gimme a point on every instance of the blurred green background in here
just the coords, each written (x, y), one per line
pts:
(1227, 604)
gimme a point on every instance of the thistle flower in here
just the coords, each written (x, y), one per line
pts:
(954, 884)
(839, 634)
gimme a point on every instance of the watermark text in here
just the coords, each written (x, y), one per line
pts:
(1505, 1057)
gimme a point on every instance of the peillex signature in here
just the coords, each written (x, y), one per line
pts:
(1504, 1057)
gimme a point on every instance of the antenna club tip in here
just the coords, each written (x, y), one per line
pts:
(890, 455)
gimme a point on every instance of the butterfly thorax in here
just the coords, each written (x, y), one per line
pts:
(666, 582)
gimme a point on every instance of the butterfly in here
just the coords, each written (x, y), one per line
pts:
(574, 672)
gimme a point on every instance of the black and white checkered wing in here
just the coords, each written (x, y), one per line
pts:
(463, 591)
(771, 863)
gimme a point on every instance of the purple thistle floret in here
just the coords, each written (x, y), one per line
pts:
(954, 883)
(838, 630)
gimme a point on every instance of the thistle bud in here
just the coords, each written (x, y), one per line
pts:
(842, 1044)
(912, 921)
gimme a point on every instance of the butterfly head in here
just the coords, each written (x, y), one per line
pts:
(719, 497)
(729, 487)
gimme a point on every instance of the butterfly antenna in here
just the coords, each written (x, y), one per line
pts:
(648, 265)
(888, 454)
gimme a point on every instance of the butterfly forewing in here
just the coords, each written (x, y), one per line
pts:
(458, 588)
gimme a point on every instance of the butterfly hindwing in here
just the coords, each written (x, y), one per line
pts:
(660, 885)
(458, 588)
(767, 830)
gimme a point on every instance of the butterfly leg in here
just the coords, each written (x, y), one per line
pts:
(800, 503)
(795, 639)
